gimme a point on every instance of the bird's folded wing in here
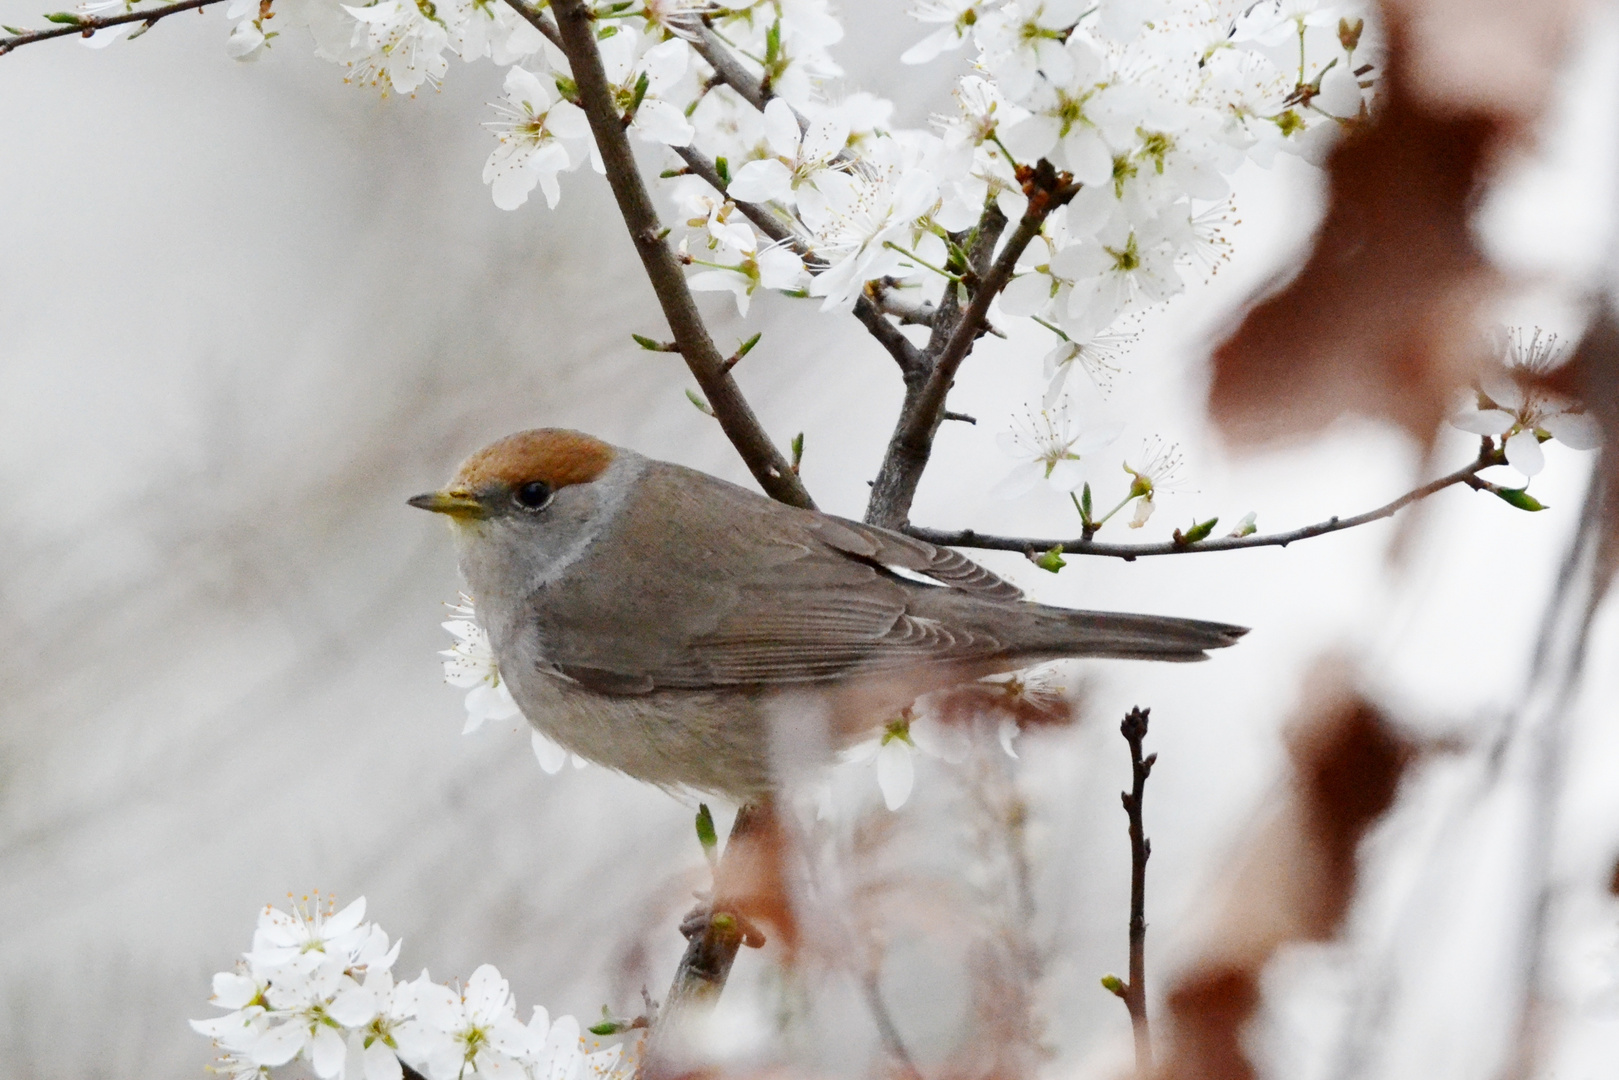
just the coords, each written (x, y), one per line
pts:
(749, 593)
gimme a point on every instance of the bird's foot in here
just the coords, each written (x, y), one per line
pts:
(703, 917)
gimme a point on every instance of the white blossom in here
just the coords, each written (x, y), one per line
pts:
(1511, 406)
(1049, 446)
(892, 749)
(798, 156)
(471, 663)
(399, 45)
(855, 216)
(540, 136)
(1159, 471)
(661, 66)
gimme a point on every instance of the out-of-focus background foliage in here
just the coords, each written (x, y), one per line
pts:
(245, 310)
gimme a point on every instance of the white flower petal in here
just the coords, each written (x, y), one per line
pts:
(550, 756)
(895, 772)
(1524, 453)
(1577, 431)
(1484, 421)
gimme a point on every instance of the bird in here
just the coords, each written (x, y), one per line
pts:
(689, 632)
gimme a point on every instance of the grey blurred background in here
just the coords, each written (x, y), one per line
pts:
(245, 310)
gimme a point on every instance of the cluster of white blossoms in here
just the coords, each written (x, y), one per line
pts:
(317, 986)
(1148, 106)
(1512, 405)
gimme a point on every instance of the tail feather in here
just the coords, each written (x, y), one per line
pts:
(1065, 633)
(1040, 632)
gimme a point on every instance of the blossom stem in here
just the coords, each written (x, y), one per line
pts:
(1053, 328)
(920, 261)
(770, 468)
(88, 24)
(968, 538)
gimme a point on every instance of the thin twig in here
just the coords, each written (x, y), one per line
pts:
(576, 29)
(730, 70)
(538, 20)
(1134, 992)
(88, 24)
(887, 1031)
(968, 538)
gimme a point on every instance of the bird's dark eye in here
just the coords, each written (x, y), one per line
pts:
(533, 495)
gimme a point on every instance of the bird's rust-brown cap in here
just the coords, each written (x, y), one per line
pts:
(555, 455)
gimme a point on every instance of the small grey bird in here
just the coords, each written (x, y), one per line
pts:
(659, 620)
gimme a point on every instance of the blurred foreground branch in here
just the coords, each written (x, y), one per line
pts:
(716, 930)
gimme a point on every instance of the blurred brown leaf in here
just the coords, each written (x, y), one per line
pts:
(1382, 319)
(1296, 878)
(752, 880)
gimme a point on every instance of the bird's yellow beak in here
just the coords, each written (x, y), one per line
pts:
(456, 502)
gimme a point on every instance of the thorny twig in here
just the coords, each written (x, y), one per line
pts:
(773, 472)
(89, 24)
(1134, 991)
(969, 538)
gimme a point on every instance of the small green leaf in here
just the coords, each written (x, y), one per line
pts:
(723, 167)
(648, 344)
(63, 17)
(606, 1027)
(1199, 531)
(798, 450)
(1085, 503)
(706, 835)
(1113, 984)
(702, 406)
(1518, 497)
(747, 346)
(1051, 560)
(773, 44)
(12, 29)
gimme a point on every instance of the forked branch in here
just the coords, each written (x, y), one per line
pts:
(575, 27)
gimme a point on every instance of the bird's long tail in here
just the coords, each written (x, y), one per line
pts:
(1044, 632)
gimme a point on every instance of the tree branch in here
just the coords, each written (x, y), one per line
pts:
(911, 445)
(1134, 992)
(968, 538)
(88, 24)
(537, 19)
(730, 70)
(736, 416)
